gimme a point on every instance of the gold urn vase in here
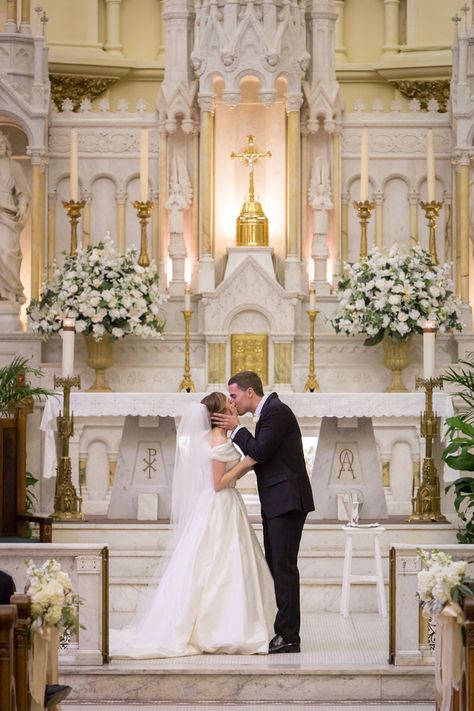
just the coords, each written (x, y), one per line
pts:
(99, 357)
(396, 359)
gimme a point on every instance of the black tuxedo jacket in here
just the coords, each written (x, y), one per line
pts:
(283, 483)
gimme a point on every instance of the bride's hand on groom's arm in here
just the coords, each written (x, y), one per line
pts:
(247, 463)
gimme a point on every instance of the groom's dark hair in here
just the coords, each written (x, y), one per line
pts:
(247, 379)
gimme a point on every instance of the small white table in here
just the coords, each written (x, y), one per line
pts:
(348, 577)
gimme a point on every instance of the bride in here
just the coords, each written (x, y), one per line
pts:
(216, 594)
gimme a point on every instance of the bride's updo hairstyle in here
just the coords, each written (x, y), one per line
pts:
(215, 403)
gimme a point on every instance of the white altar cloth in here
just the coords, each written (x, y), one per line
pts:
(340, 405)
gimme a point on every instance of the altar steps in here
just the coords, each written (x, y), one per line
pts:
(135, 550)
(342, 660)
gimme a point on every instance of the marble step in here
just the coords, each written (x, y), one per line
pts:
(312, 564)
(317, 596)
(141, 536)
(286, 685)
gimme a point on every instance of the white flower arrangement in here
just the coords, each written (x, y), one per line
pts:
(443, 584)
(52, 599)
(394, 294)
(105, 291)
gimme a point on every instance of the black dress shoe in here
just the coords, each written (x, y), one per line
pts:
(279, 646)
(55, 693)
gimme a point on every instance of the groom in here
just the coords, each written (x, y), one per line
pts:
(284, 490)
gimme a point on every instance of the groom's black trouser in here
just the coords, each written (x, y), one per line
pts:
(281, 538)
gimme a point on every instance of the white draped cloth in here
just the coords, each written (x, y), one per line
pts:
(216, 594)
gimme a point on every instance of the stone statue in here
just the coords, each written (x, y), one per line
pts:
(14, 204)
(320, 195)
(180, 195)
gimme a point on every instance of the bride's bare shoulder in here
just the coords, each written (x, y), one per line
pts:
(217, 437)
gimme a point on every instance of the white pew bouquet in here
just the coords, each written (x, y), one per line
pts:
(53, 602)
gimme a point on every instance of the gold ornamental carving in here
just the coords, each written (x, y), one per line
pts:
(249, 351)
(252, 224)
(424, 91)
(77, 88)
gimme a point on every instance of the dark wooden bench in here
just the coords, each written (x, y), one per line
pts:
(13, 516)
(14, 634)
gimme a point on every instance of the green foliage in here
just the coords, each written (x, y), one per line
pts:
(14, 387)
(459, 453)
(464, 379)
(464, 505)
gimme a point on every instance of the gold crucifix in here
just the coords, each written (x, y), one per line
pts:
(252, 225)
(251, 156)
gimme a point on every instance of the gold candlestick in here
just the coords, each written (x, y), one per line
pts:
(364, 211)
(312, 382)
(427, 502)
(73, 209)
(67, 504)
(143, 211)
(187, 384)
(431, 210)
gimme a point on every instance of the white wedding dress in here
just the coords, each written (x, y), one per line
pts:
(216, 594)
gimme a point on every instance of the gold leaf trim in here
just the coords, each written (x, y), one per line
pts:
(424, 91)
(77, 88)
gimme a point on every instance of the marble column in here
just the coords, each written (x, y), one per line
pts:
(392, 28)
(162, 212)
(448, 227)
(10, 24)
(194, 256)
(293, 238)
(464, 227)
(52, 206)
(42, 219)
(86, 195)
(337, 256)
(206, 194)
(305, 181)
(457, 259)
(36, 227)
(341, 55)
(112, 41)
(379, 201)
(25, 27)
(345, 200)
(121, 201)
(413, 202)
(155, 228)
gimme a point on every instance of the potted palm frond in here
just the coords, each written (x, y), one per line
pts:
(459, 453)
(15, 388)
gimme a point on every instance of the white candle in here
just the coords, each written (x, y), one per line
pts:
(429, 334)
(430, 166)
(144, 165)
(364, 165)
(73, 165)
(312, 298)
(187, 299)
(68, 347)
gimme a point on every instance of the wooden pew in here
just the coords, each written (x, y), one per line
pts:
(13, 516)
(8, 619)
(21, 644)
